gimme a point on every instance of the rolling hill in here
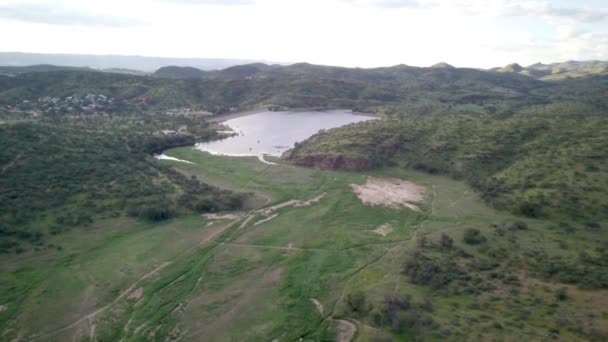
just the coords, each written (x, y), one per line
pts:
(179, 72)
(558, 71)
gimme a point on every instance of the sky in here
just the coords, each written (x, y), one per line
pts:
(353, 33)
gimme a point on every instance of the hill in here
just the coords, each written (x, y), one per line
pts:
(16, 70)
(442, 65)
(516, 68)
(533, 166)
(475, 207)
(179, 72)
(57, 177)
(390, 90)
(147, 64)
(559, 71)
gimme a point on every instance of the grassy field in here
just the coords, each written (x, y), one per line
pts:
(286, 269)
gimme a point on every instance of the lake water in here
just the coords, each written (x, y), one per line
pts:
(273, 133)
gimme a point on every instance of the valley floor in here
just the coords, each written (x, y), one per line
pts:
(288, 268)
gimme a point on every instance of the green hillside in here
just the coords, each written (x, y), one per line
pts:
(473, 208)
(61, 177)
(179, 72)
(558, 71)
(530, 165)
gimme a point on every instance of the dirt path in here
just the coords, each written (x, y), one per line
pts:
(89, 317)
(93, 314)
(10, 164)
(266, 220)
(208, 235)
(261, 158)
(288, 248)
(247, 220)
(346, 330)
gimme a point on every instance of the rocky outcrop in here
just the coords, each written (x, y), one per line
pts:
(334, 162)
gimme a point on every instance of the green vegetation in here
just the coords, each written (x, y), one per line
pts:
(392, 91)
(534, 166)
(100, 241)
(56, 177)
(559, 71)
(259, 272)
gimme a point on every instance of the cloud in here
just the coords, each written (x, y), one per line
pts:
(386, 3)
(45, 13)
(547, 10)
(213, 2)
(495, 7)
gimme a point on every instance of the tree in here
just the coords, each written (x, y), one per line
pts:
(356, 302)
(446, 242)
(473, 236)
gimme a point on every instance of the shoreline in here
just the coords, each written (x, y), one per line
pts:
(225, 117)
(260, 156)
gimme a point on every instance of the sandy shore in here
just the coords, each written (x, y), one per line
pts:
(225, 117)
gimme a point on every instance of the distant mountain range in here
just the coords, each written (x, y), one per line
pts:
(13, 63)
(558, 71)
(440, 89)
(147, 64)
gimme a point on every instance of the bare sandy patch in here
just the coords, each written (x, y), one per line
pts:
(384, 229)
(136, 295)
(346, 330)
(166, 157)
(390, 192)
(318, 305)
(3, 308)
(228, 216)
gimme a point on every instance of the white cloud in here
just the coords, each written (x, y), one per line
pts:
(58, 14)
(342, 32)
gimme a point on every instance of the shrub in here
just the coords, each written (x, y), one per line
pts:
(561, 294)
(530, 210)
(404, 315)
(518, 225)
(156, 213)
(446, 242)
(356, 302)
(473, 236)
(424, 270)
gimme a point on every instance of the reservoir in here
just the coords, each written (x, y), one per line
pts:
(272, 133)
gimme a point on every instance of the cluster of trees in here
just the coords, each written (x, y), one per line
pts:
(588, 270)
(58, 176)
(398, 313)
(393, 91)
(533, 166)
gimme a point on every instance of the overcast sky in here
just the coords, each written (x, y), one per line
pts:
(365, 33)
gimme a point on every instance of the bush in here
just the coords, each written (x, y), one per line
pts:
(446, 242)
(518, 225)
(473, 236)
(404, 315)
(561, 294)
(156, 213)
(530, 210)
(424, 270)
(356, 302)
